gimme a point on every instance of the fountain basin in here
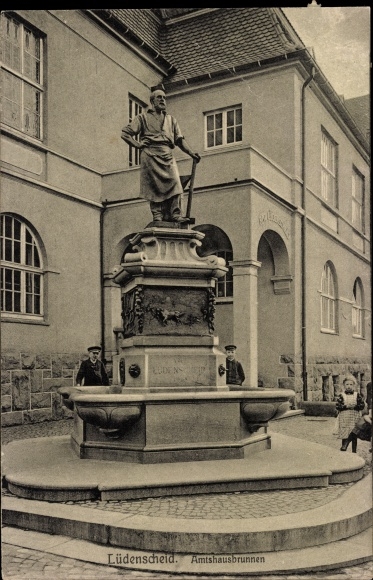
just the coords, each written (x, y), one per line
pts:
(159, 427)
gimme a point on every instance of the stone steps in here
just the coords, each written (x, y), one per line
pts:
(340, 519)
(326, 537)
(47, 469)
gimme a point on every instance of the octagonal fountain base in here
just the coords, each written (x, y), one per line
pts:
(172, 427)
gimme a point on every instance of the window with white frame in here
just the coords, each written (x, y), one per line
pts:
(225, 283)
(223, 127)
(21, 270)
(22, 76)
(328, 170)
(357, 310)
(135, 107)
(357, 200)
(328, 304)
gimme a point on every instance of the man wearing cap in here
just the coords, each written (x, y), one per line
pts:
(235, 373)
(92, 371)
(159, 133)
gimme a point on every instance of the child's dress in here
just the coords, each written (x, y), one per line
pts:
(347, 417)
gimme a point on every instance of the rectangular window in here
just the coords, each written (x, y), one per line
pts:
(22, 76)
(10, 290)
(225, 283)
(223, 127)
(358, 200)
(328, 301)
(327, 313)
(357, 310)
(32, 293)
(357, 321)
(328, 170)
(13, 298)
(135, 107)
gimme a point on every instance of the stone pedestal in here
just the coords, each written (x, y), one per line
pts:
(168, 306)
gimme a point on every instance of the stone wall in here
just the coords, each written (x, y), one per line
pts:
(29, 384)
(325, 375)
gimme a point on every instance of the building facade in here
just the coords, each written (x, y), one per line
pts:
(281, 192)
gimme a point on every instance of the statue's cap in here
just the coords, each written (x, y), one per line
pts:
(159, 87)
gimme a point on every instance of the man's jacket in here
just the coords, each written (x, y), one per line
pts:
(92, 373)
(235, 374)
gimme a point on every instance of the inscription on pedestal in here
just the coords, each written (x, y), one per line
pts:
(178, 371)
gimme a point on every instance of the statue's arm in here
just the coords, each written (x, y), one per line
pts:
(130, 131)
(131, 141)
(181, 142)
(185, 147)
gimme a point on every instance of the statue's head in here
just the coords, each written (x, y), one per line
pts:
(158, 99)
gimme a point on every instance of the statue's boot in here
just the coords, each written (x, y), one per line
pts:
(180, 219)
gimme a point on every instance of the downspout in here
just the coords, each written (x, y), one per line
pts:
(303, 238)
(102, 296)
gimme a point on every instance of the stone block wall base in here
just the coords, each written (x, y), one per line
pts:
(325, 375)
(157, 454)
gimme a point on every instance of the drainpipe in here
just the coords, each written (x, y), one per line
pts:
(303, 238)
(102, 297)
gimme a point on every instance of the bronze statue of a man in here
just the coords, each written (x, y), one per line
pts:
(159, 133)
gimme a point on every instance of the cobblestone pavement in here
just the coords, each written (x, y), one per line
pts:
(237, 505)
(27, 564)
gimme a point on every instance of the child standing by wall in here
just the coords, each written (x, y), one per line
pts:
(349, 405)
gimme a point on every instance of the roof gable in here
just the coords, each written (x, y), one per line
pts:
(203, 41)
(224, 39)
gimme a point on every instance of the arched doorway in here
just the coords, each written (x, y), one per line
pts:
(275, 308)
(218, 243)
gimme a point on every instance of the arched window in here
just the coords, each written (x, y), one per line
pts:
(357, 309)
(328, 300)
(21, 270)
(217, 242)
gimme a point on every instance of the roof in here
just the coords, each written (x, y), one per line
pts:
(193, 46)
(196, 48)
(142, 22)
(359, 109)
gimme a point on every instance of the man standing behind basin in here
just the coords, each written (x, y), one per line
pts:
(92, 371)
(159, 133)
(235, 372)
